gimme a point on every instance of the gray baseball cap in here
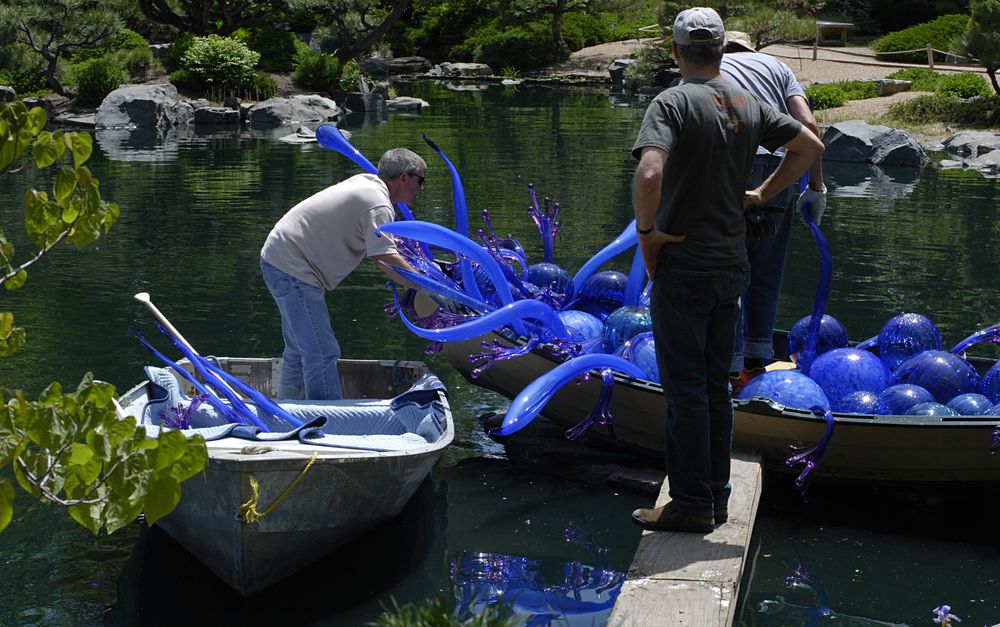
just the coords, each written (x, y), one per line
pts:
(699, 26)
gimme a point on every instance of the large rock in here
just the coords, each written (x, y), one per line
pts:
(294, 110)
(858, 142)
(889, 86)
(7, 94)
(358, 102)
(216, 115)
(974, 150)
(139, 106)
(617, 70)
(406, 65)
(461, 69)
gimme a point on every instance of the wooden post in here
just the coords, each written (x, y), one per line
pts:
(930, 56)
(816, 45)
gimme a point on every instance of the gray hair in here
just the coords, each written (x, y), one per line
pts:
(701, 54)
(396, 161)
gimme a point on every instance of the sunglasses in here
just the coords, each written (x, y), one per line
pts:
(420, 179)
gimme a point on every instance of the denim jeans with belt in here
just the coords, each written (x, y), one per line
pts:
(309, 361)
(755, 328)
(694, 314)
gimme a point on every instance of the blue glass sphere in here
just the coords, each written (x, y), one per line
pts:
(581, 325)
(641, 351)
(906, 335)
(994, 411)
(930, 409)
(970, 404)
(832, 335)
(550, 276)
(623, 324)
(602, 293)
(857, 403)
(989, 386)
(941, 373)
(842, 371)
(897, 399)
(791, 388)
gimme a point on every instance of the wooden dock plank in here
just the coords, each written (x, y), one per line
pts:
(692, 579)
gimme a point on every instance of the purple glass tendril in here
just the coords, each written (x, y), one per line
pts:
(495, 352)
(943, 615)
(545, 219)
(601, 413)
(996, 440)
(180, 416)
(811, 455)
(989, 334)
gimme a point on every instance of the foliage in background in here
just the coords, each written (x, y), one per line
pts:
(526, 46)
(828, 95)
(350, 74)
(921, 78)
(982, 37)
(173, 56)
(653, 65)
(211, 17)
(96, 78)
(972, 113)
(940, 33)
(963, 85)
(350, 28)
(55, 29)
(277, 46)
(71, 449)
(222, 64)
(767, 25)
(316, 71)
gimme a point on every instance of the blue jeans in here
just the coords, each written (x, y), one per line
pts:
(309, 361)
(759, 305)
(694, 318)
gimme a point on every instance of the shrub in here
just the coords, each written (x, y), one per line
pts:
(349, 76)
(580, 30)
(974, 113)
(828, 95)
(526, 46)
(276, 47)
(97, 78)
(316, 71)
(173, 55)
(127, 39)
(921, 78)
(220, 63)
(940, 33)
(136, 61)
(261, 87)
(963, 85)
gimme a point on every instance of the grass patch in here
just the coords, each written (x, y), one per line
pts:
(829, 95)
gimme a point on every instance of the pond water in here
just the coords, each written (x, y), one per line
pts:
(196, 206)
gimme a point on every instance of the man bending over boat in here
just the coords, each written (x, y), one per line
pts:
(696, 148)
(772, 81)
(314, 246)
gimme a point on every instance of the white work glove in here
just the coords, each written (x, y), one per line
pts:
(816, 200)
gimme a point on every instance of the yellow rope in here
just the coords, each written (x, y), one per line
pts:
(248, 511)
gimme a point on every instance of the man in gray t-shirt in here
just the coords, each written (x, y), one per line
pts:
(695, 149)
(314, 246)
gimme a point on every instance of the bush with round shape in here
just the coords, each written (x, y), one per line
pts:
(97, 78)
(970, 404)
(317, 71)
(842, 371)
(790, 388)
(931, 409)
(602, 293)
(857, 403)
(832, 335)
(897, 399)
(581, 325)
(623, 324)
(550, 276)
(940, 33)
(220, 62)
(904, 336)
(964, 85)
(941, 373)
(641, 351)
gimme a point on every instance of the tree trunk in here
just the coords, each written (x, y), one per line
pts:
(992, 73)
(557, 19)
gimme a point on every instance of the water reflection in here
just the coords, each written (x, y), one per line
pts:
(886, 186)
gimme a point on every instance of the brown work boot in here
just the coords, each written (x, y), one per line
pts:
(669, 518)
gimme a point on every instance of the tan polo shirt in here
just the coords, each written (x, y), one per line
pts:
(325, 237)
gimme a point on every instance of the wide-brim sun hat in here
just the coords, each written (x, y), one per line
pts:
(738, 41)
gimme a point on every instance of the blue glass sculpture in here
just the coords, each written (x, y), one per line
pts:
(994, 411)
(941, 373)
(857, 403)
(897, 399)
(581, 325)
(970, 404)
(931, 409)
(602, 293)
(623, 324)
(791, 388)
(842, 371)
(641, 351)
(906, 335)
(989, 386)
(832, 335)
(550, 276)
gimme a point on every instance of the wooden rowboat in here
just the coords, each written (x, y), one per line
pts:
(910, 449)
(343, 493)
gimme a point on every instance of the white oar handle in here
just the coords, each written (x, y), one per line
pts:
(143, 297)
